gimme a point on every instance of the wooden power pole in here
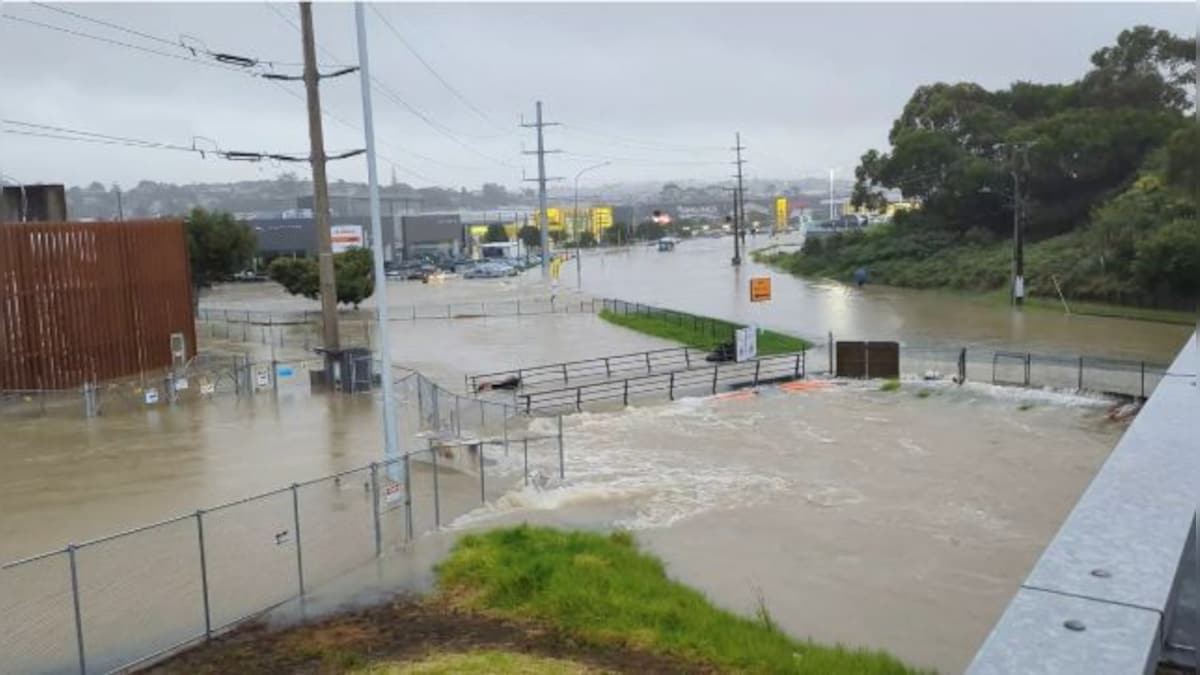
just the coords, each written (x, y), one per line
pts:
(316, 139)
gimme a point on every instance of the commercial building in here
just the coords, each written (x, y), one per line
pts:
(33, 203)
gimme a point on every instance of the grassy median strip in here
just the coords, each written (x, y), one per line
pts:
(602, 590)
(701, 332)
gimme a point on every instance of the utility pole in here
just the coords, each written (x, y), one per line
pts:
(316, 140)
(391, 438)
(120, 206)
(739, 203)
(543, 217)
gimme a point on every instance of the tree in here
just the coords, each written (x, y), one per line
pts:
(353, 271)
(298, 276)
(557, 236)
(1168, 261)
(614, 235)
(355, 274)
(218, 247)
(587, 239)
(495, 234)
(530, 236)
(1183, 159)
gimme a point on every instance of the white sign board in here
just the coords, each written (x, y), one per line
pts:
(747, 343)
(181, 383)
(393, 493)
(289, 377)
(151, 396)
(262, 378)
(208, 388)
(346, 237)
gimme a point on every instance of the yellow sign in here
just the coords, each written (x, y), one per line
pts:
(602, 219)
(781, 213)
(760, 289)
(478, 230)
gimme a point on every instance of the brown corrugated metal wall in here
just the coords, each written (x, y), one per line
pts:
(86, 302)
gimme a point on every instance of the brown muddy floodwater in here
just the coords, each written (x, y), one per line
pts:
(888, 520)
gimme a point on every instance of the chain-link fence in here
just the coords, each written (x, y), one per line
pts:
(719, 329)
(129, 597)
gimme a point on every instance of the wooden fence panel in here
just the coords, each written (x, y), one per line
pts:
(86, 302)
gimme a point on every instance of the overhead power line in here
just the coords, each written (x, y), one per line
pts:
(34, 129)
(652, 145)
(433, 71)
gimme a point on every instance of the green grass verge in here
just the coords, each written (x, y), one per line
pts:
(701, 333)
(890, 385)
(602, 590)
(483, 662)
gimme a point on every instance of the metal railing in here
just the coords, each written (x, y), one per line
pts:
(130, 597)
(600, 367)
(1118, 588)
(769, 369)
(450, 310)
(718, 329)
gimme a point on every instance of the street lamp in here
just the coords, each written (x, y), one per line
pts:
(575, 218)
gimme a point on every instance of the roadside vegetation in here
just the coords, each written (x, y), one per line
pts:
(1108, 197)
(603, 591)
(702, 333)
(535, 601)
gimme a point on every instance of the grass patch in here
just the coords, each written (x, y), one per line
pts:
(890, 385)
(1026, 405)
(924, 393)
(602, 590)
(702, 332)
(484, 662)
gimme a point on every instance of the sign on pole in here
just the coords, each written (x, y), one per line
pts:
(746, 340)
(781, 214)
(346, 237)
(760, 289)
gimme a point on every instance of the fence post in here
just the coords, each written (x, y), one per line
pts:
(564, 369)
(714, 387)
(457, 416)
(757, 365)
(626, 395)
(671, 389)
(525, 442)
(504, 414)
(482, 416)
(203, 574)
(687, 358)
(796, 372)
(78, 613)
(562, 467)
(648, 370)
(579, 399)
(408, 500)
(607, 368)
(1028, 363)
(437, 506)
(829, 347)
(299, 548)
(375, 509)
(1080, 386)
(482, 480)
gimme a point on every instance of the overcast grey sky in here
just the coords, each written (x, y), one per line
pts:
(661, 88)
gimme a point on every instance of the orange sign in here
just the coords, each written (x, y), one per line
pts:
(760, 289)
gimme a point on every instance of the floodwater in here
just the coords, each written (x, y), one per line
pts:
(698, 277)
(881, 519)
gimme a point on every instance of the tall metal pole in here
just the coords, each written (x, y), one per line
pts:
(543, 217)
(120, 206)
(391, 442)
(831, 194)
(316, 140)
(575, 216)
(739, 207)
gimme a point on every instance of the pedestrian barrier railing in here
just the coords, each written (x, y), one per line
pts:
(1118, 588)
(450, 310)
(699, 380)
(596, 368)
(129, 598)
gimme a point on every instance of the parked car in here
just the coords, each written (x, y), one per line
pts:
(489, 270)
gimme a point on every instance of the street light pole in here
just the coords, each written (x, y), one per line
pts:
(575, 219)
(391, 437)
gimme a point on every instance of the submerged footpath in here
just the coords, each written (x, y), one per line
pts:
(535, 601)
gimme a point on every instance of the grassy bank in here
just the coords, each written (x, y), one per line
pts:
(533, 601)
(603, 591)
(707, 334)
(938, 260)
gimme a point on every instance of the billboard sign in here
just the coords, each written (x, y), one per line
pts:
(346, 237)
(602, 219)
(781, 213)
(760, 289)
